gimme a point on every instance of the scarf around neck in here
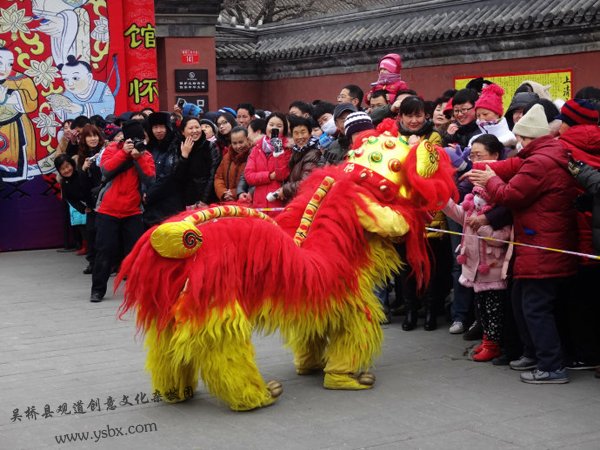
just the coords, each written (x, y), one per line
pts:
(387, 78)
(313, 143)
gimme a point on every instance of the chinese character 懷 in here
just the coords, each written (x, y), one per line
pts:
(143, 88)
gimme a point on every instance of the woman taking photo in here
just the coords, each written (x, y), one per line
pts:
(91, 145)
(268, 164)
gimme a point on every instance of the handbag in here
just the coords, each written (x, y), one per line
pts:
(77, 218)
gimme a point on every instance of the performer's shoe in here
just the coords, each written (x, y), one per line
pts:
(366, 378)
(275, 390)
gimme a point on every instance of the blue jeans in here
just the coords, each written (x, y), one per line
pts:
(383, 295)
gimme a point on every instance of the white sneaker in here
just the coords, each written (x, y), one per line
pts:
(457, 327)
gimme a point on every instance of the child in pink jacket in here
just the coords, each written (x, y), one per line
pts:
(484, 267)
(389, 78)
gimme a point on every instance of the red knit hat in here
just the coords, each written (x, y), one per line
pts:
(491, 98)
(578, 112)
(448, 109)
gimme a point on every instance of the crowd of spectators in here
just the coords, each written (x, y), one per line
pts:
(514, 258)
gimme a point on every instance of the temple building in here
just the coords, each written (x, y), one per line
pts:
(314, 55)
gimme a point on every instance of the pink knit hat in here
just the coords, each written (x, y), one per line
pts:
(478, 190)
(392, 62)
(491, 98)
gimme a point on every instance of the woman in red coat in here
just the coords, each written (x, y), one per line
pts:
(540, 193)
(268, 164)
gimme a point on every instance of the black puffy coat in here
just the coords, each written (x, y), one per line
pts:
(163, 197)
(196, 173)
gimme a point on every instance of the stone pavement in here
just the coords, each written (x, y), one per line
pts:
(60, 350)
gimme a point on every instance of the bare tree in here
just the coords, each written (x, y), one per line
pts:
(256, 12)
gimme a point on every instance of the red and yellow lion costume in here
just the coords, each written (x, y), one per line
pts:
(201, 283)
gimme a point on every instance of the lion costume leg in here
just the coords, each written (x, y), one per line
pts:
(353, 345)
(309, 354)
(228, 367)
(174, 379)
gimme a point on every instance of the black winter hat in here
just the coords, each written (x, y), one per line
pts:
(341, 108)
(520, 101)
(159, 118)
(211, 124)
(133, 129)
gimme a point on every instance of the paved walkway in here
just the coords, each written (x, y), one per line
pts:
(60, 350)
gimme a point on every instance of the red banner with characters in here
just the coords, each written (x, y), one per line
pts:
(140, 53)
(60, 59)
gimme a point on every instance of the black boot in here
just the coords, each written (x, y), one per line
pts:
(430, 320)
(410, 320)
(474, 333)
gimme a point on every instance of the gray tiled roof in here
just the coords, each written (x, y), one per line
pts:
(422, 22)
(252, 8)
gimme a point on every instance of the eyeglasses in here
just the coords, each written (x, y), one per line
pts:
(221, 124)
(478, 157)
(344, 96)
(462, 110)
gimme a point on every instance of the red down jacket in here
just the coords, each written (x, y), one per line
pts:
(540, 193)
(120, 197)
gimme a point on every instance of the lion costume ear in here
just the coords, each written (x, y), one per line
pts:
(430, 176)
(428, 159)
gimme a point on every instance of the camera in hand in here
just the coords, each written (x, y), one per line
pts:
(139, 144)
(276, 142)
(272, 196)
